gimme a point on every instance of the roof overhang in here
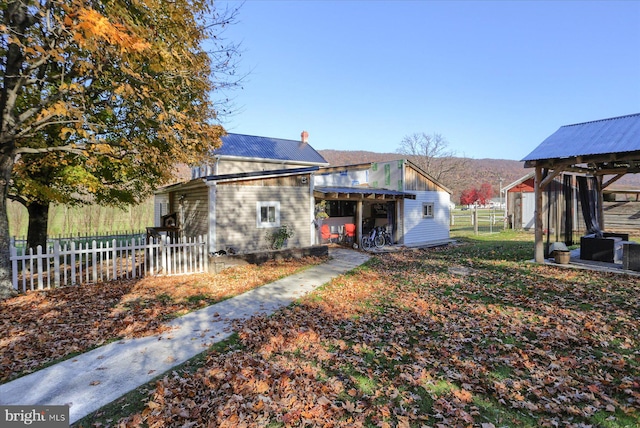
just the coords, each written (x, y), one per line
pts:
(260, 174)
(601, 164)
(600, 147)
(359, 193)
(243, 176)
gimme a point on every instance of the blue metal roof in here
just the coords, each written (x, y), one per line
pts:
(249, 146)
(615, 135)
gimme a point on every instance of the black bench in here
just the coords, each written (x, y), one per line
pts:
(601, 249)
(631, 256)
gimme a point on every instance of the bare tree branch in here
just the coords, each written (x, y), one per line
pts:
(432, 154)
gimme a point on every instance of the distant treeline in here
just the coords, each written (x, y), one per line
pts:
(91, 219)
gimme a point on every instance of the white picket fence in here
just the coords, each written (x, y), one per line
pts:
(76, 264)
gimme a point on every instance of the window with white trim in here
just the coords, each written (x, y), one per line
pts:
(427, 210)
(268, 214)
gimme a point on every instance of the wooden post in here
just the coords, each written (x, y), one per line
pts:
(474, 220)
(600, 202)
(359, 223)
(539, 244)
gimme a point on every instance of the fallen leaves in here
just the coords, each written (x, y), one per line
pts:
(37, 328)
(405, 342)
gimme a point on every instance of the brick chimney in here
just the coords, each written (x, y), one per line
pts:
(304, 137)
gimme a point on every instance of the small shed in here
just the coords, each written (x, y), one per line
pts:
(561, 214)
(602, 151)
(397, 194)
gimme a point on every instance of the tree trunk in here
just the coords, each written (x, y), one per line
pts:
(6, 287)
(38, 224)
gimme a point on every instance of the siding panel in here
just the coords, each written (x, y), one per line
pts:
(193, 210)
(419, 230)
(236, 216)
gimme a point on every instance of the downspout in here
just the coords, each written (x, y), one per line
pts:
(215, 165)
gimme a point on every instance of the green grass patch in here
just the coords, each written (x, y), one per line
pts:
(501, 373)
(365, 384)
(500, 415)
(440, 387)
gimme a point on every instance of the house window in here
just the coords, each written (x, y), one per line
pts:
(427, 210)
(268, 214)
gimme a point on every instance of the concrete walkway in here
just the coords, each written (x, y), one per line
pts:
(91, 380)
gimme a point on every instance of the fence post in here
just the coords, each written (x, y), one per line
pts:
(163, 260)
(56, 264)
(134, 271)
(73, 263)
(204, 258)
(13, 255)
(39, 266)
(114, 260)
(94, 259)
(475, 221)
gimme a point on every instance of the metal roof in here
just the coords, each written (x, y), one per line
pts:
(614, 135)
(365, 191)
(249, 146)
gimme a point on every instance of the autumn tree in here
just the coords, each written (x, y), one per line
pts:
(481, 195)
(469, 196)
(101, 98)
(432, 154)
(485, 193)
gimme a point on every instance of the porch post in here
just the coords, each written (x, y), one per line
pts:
(313, 234)
(539, 244)
(359, 223)
(600, 202)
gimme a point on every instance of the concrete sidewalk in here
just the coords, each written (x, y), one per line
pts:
(91, 380)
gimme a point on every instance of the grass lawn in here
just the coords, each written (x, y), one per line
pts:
(464, 335)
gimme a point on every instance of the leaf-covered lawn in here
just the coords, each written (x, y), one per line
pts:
(38, 328)
(459, 336)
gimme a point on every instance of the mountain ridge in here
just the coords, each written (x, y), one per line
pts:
(473, 175)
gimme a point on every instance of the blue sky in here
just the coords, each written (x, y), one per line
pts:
(494, 78)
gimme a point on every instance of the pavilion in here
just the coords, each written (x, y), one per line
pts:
(602, 150)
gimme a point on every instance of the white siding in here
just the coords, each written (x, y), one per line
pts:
(528, 210)
(160, 207)
(419, 230)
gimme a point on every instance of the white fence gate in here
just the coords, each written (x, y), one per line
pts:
(71, 264)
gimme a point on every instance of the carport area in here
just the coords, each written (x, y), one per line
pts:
(600, 153)
(363, 206)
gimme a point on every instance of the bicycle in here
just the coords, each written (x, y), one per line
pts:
(373, 238)
(388, 240)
